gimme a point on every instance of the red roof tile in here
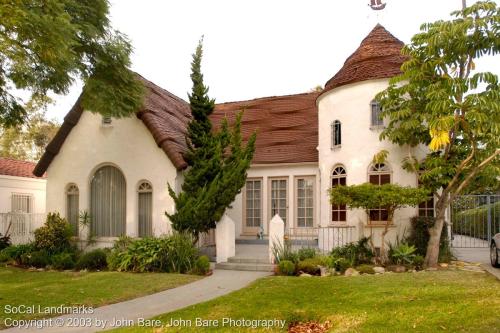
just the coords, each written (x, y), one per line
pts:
(287, 126)
(378, 56)
(16, 168)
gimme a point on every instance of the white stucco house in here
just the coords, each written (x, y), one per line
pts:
(22, 199)
(118, 169)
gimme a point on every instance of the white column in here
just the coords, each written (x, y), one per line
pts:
(225, 241)
(276, 235)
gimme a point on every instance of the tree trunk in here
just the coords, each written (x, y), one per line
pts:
(432, 255)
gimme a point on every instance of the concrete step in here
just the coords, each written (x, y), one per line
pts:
(252, 241)
(243, 260)
(245, 267)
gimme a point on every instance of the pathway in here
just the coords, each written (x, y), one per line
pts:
(218, 284)
(480, 255)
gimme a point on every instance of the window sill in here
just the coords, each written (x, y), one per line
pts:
(377, 127)
(337, 147)
(380, 224)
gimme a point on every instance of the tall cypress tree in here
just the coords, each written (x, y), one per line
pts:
(217, 162)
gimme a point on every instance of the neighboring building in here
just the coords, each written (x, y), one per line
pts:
(20, 190)
(118, 169)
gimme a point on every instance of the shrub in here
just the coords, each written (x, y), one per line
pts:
(341, 264)
(15, 252)
(4, 241)
(310, 266)
(54, 236)
(365, 269)
(306, 253)
(356, 253)
(419, 233)
(201, 265)
(402, 254)
(175, 253)
(283, 251)
(63, 260)
(38, 259)
(286, 267)
(92, 261)
(418, 261)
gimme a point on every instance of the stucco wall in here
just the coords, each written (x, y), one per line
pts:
(127, 145)
(22, 185)
(290, 172)
(351, 105)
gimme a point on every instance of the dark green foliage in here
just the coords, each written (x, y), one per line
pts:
(4, 241)
(341, 264)
(14, 252)
(284, 252)
(46, 46)
(201, 265)
(63, 260)
(94, 260)
(419, 233)
(38, 259)
(310, 266)
(286, 267)
(54, 236)
(365, 269)
(217, 160)
(402, 254)
(306, 253)
(355, 253)
(418, 261)
(175, 253)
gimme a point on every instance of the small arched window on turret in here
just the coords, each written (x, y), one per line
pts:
(336, 134)
(376, 117)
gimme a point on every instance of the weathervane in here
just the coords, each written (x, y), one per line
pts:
(377, 4)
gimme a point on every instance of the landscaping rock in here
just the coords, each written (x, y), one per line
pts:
(324, 271)
(305, 274)
(443, 265)
(379, 270)
(396, 268)
(472, 269)
(351, 272)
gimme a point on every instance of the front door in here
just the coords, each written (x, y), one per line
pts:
(278, 197)
(252, 219)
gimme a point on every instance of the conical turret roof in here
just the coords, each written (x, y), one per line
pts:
(378, 56)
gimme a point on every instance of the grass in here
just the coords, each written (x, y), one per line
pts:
(443, 301)
(22, 287)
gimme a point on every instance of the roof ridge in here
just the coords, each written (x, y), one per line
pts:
(270, 97)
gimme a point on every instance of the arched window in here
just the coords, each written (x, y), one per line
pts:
(72, 207)
(379, 174)
(336, 133)
(145, 209)
(339, 178)
(376, 117)
(108, 202)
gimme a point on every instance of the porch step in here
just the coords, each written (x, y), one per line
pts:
(245, 267)
(241, 260)
(253, 241)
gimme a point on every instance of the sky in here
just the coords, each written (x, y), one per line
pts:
(257, 48)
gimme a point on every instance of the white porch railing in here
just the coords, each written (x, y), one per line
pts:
(20, 226)
(322, 238)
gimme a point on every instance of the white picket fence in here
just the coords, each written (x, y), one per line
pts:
(20, 226)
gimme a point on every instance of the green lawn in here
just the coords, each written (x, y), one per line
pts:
(444, 301)
(22, 287)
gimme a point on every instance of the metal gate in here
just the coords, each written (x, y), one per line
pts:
(475, 219)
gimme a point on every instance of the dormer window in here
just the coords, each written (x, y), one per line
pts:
(106, 121)
(336, 134)
(376, 116)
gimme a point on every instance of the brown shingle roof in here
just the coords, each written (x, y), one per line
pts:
(164, 114)
(377, 57)
(287, 126)
(12, 167)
